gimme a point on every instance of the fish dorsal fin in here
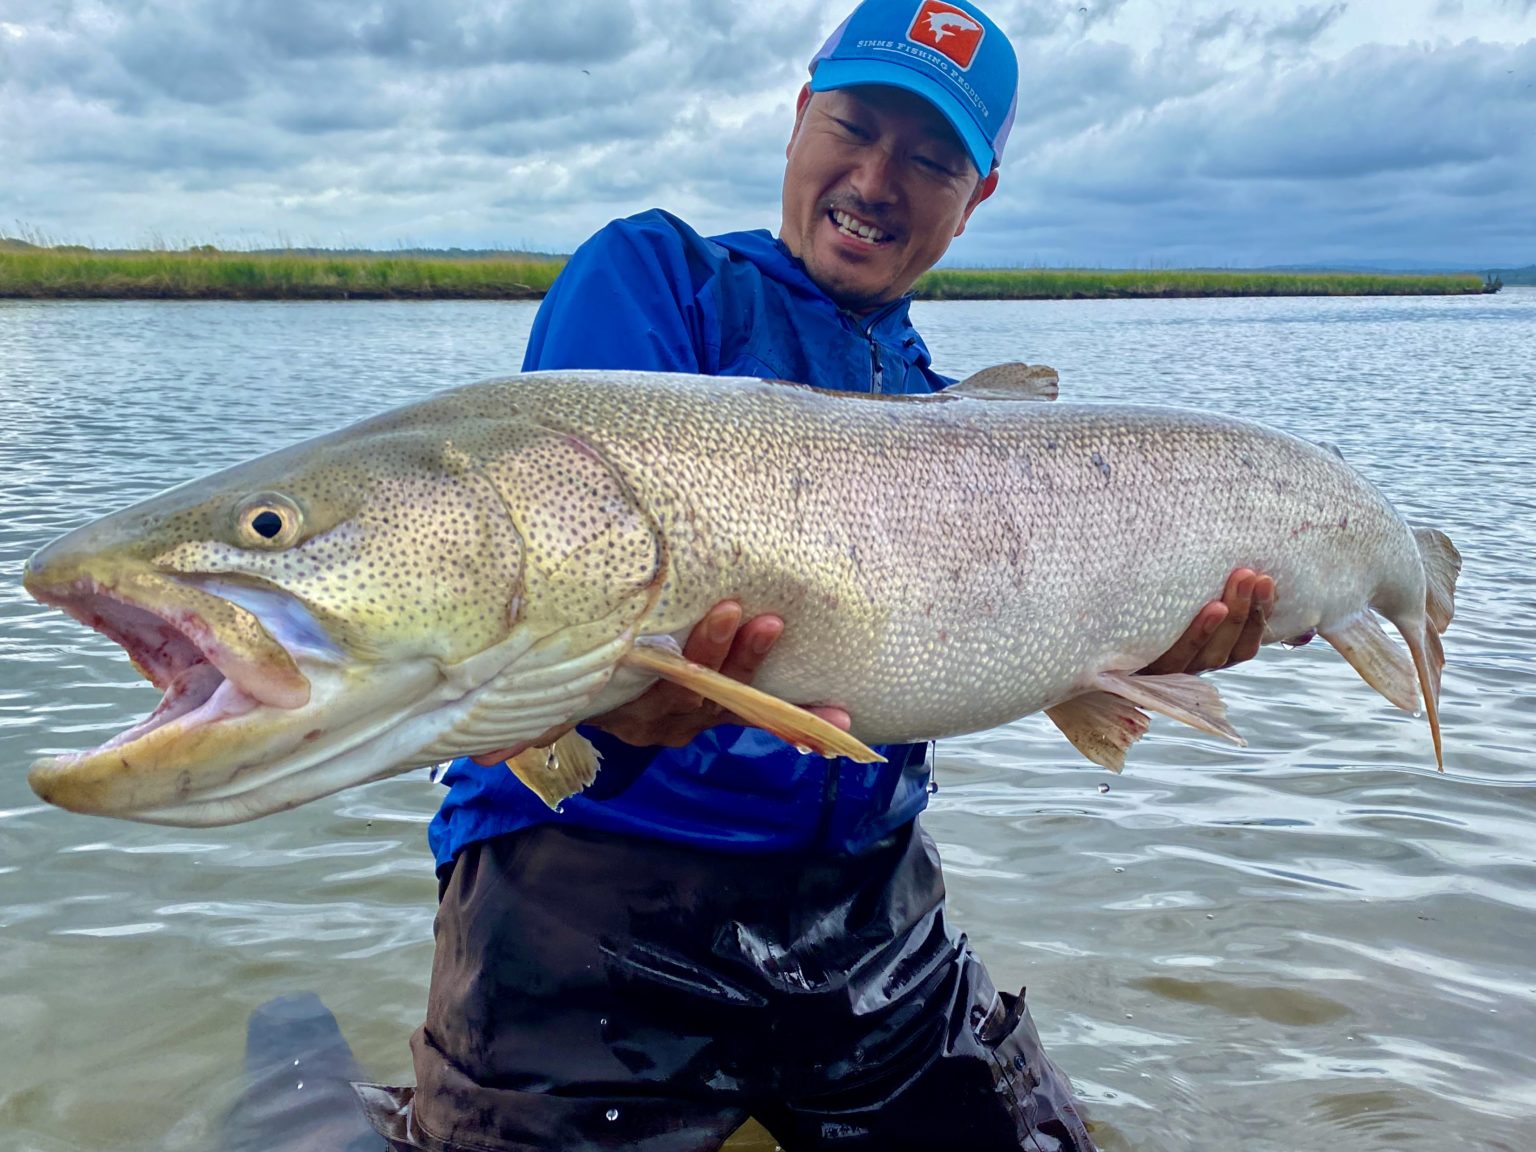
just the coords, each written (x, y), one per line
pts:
(1014, 380)
(753, 706)
(556, 773)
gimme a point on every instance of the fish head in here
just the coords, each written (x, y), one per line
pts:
(345, 610)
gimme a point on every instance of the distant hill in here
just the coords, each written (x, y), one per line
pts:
(8, 244)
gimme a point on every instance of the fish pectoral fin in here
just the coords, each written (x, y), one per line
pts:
(1381, 663)
(1014, 380)
(557, 772)
(1177, 695)
(1100, 725)
(752, 705)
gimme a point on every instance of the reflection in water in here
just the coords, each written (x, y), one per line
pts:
(1313, 942)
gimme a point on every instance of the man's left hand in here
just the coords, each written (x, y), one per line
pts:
(1224, 632)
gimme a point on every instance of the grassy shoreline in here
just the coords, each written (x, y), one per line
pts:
(37, 273)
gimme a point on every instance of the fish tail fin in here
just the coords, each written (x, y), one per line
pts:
(1442, 564)
(1428, 659)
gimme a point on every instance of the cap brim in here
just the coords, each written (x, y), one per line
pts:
(834, 74)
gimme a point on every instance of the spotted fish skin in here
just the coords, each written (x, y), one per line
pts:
(469, 571)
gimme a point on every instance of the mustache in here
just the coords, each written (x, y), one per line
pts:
(854, 206)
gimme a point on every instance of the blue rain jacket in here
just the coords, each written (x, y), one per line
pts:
(649, 293)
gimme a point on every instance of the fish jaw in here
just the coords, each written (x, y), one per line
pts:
(237, 711)
(214, 753)
(230, 758)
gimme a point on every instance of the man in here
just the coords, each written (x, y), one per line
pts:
(721, 926)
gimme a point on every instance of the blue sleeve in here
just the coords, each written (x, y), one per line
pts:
(630, 297)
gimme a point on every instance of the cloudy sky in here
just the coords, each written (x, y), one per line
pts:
(1149, 132)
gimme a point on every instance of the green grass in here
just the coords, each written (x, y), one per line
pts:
(73, 272)
(1097, 284)
(205, 273)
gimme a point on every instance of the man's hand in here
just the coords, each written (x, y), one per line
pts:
(1224, 632)
(666, 715)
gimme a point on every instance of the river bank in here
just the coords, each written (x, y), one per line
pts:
(205, 273)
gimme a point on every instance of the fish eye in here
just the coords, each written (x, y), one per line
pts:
(268, 520)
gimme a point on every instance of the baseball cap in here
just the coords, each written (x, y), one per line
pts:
(946, 51)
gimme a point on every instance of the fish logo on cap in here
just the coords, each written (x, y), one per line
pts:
(948, 30)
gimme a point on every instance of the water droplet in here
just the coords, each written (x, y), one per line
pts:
(612, 1113)
(301, 1083)
(933, 787)
(295, 1063)
(1119, 869)
(602, 1022)
(1103, 788)
(803, 749)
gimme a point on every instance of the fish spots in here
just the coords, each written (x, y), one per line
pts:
(1098, 461)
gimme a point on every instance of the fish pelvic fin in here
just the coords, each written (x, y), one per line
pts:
(1177, 695)
(1100, 725)
(557, 772)
(752, 705)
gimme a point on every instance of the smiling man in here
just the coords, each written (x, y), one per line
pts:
(722, 926)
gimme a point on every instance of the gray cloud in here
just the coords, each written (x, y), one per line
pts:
(1219, 135)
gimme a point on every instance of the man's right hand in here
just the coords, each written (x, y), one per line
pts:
(666, 715)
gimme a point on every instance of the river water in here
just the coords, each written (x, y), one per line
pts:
(1315, 942)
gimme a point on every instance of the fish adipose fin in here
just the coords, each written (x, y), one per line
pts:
(753, 706)
(556, 773)
(1012, 381)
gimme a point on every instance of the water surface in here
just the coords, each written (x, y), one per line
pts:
(1314, 942)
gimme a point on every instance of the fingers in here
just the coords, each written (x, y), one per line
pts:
(1187, 648)
(1251, 638)
(1224, 632)
(1249, 598)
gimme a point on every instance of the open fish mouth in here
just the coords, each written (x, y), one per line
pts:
(207, 646)
(202, 680)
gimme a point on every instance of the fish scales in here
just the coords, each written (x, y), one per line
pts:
(946, 566)
(490, 565)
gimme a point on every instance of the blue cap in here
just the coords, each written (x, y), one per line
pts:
(946, 51)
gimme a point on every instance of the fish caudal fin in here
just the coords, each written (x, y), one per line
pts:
(556, 773)
(1442, 564)
(1405, 680)
(1105, 721)
(752, 705)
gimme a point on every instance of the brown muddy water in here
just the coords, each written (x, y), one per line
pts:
(1315, 942)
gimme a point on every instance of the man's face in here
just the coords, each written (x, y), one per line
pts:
(877, 185)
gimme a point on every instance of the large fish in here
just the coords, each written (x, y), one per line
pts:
(488, 566)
